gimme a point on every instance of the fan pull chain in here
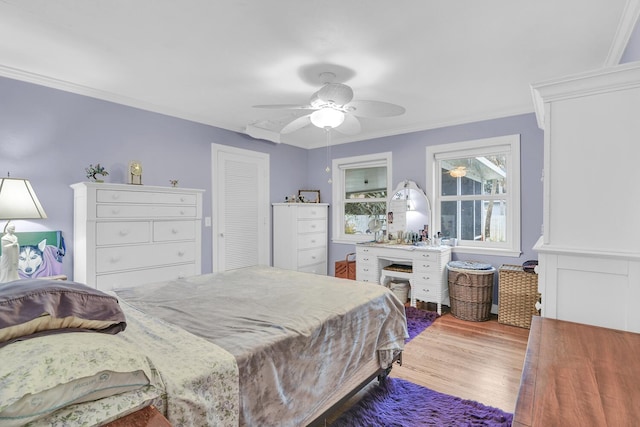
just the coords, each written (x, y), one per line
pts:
(328, 169)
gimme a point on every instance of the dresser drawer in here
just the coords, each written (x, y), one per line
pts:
(144, 211)
(312, 226)
(144, 197)
(107, 282)
(315, 240)
(141, 256)
(166, 231)
(312, 256)
(315, 268)
(122, 232)
(312, 212)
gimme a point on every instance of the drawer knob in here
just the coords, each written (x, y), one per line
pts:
(124, 232)
(426, 277)
(313, 241)
(181, 212)
(115, 211)
(115, 259)
(115, 196)
(174, 231)
(180, 253)
(313, 257)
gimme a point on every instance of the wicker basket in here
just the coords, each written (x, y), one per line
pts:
(346, 269)
(470, 293)
(517, 296)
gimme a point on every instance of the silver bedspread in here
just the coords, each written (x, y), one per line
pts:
(295, 336)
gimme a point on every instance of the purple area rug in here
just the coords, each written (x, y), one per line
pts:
(418, 320)
(397, 402)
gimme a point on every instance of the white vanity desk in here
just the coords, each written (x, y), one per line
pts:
(428, 276)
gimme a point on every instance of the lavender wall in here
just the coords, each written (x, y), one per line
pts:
(409, 153)
(50, 136)
(632, 51)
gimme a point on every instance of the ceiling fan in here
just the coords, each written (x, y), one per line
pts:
(333, 107)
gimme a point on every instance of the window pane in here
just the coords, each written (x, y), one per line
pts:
(474, 175)
(366, 183)
(449, 219)
(358, 215)
(477, 220)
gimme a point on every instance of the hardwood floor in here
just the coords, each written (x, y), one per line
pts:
(481, 361)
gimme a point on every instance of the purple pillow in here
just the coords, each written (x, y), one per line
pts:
(34, 307)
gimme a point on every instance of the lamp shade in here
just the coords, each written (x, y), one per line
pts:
(327, 117)
(18, 200)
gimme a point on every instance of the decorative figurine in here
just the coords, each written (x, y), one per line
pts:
(9, 258)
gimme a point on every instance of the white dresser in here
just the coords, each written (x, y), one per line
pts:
(428, 276)
(126, 235)
(300, 236)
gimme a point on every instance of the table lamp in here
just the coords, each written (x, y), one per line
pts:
(17, 201)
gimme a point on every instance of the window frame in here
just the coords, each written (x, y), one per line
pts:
(338, 168)
(510, 146)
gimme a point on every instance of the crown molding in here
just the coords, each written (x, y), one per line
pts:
(589, 83)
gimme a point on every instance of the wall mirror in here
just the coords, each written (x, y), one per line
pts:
(409, 210)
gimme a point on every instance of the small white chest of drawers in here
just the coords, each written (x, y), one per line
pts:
(300, 236)
(428, 276)
(125, 235)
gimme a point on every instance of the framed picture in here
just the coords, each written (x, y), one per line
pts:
(41, 253)
(309, 196)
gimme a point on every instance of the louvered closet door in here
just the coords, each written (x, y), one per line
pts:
(241, 203)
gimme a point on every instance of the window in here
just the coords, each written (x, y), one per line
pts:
(360, 192)
(476, 194)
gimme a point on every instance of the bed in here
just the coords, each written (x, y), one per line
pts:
(255, 346)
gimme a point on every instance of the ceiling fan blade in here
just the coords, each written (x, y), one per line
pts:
(283, 106)
(296, 124)
(374, 109)
(337, 93)
(350, 126)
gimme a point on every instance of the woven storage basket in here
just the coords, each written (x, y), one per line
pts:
(517, 296)
(346, 269)
(470, 293)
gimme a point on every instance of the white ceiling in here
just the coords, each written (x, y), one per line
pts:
(209, 61)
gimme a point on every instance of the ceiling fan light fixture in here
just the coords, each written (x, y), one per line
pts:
(327, 117)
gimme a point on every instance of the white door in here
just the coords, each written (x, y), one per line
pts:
(240, 198)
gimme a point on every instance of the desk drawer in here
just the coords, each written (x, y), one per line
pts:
(429, 293)
(121, 233)
(421, 266)
(115, 258)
